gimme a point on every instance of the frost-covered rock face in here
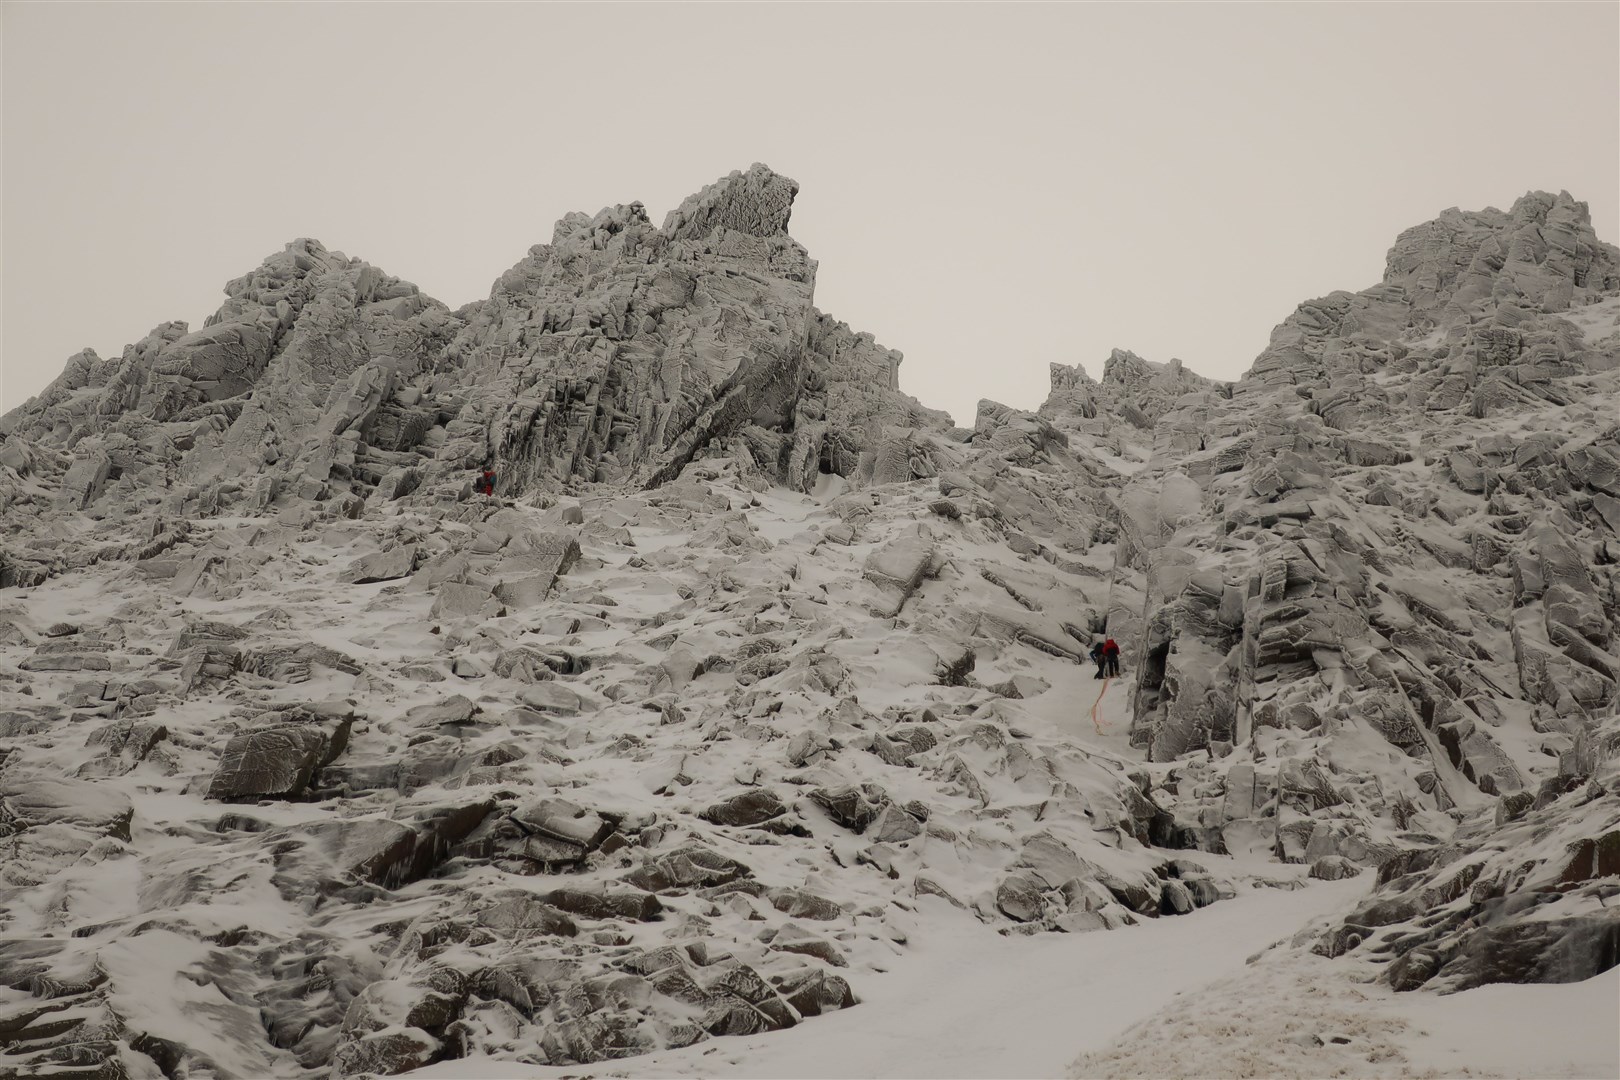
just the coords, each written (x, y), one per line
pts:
(1521, 893)
(313, 761)
(614, 354)
(281, 382)
(1372, 585)
(1474, 295)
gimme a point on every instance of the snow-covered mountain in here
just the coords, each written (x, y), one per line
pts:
(756, 679)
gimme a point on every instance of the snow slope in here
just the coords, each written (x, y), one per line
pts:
(1296, 1014)
(966, 1002)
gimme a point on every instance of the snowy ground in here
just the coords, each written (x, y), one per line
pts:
(950, 996)
(966, 1001)
(1167, 997)
(1297, 1014)
(1170, 997)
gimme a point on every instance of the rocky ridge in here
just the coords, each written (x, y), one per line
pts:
(757, 666)
(1373, 583)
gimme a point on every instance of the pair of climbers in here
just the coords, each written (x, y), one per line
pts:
(1106, 656)
(485, 484)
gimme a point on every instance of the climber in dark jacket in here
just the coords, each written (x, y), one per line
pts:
(1111, 656)
(485, 484)
(1101, 660)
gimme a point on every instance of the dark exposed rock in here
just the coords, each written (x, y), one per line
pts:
(686, 868)
(1019, 898)
(640, 906)
(799, 904)
(279, 761)
(852, 807)
(526, 913)
(124, 745)
(899, 744)
(1554, 951)
(1411, 970)
(1132, 894)
(379, 851)
(1175, 898)
(1593, 857)
(812, 992)
(746, 808)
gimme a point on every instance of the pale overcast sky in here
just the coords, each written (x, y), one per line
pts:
(987, 188)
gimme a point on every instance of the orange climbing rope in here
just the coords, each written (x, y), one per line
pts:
(1096, 721)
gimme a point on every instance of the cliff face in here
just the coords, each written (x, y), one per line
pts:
(1375, 580)
(758, 671)
(1400, 467)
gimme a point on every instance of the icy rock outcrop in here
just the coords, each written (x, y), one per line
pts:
(1520, 893)
(616, 353)
(283, 378)
(1289, 592)
(1489, 286)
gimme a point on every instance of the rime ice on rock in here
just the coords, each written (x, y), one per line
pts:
(752, 669)
(616, 353)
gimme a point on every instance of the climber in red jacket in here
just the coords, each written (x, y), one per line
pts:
(1111, 656)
